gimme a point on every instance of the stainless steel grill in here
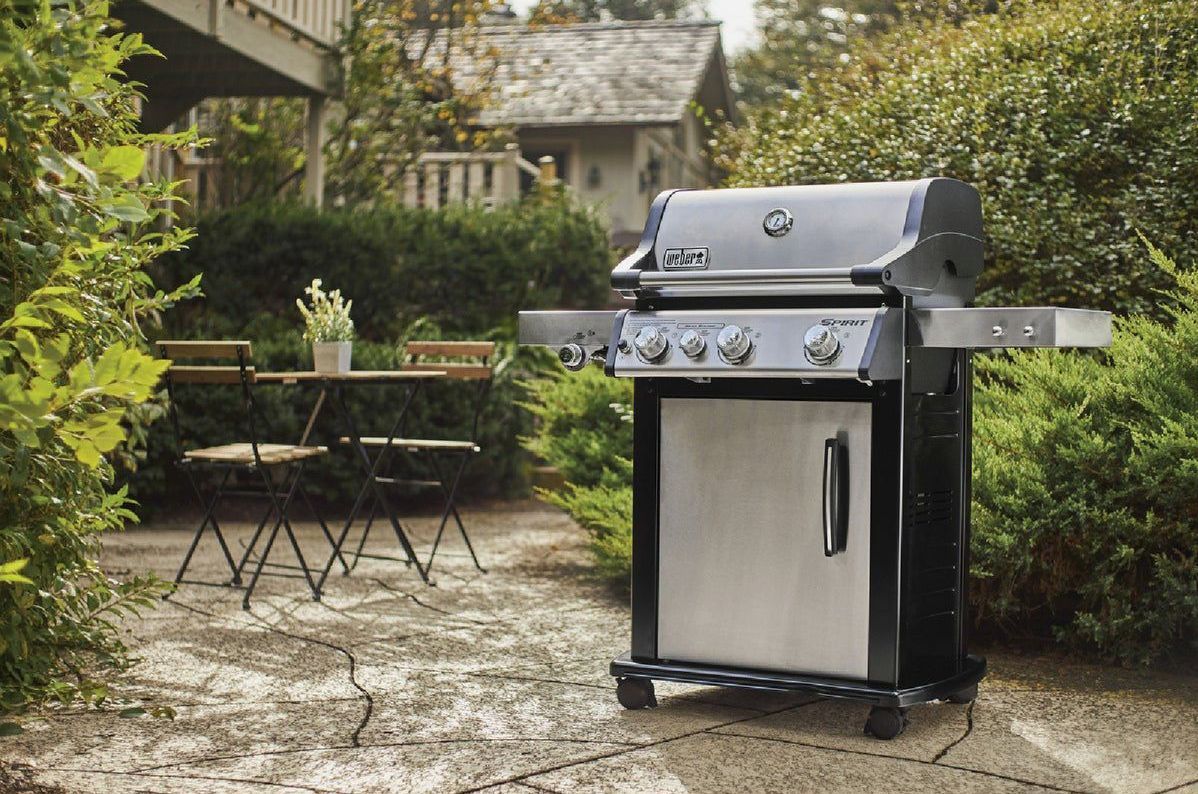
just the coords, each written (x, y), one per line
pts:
(802, 436)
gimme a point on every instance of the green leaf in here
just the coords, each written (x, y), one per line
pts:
(125, 162)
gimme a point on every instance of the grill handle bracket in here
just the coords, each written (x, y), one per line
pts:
(836, 497)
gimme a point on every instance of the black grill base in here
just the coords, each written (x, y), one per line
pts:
(972, 670)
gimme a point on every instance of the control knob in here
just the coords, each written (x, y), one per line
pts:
(821, 344)
(692, 344)
(573, 357)
(650, 343)
(734, 344)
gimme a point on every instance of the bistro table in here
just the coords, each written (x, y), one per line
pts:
(332, 390)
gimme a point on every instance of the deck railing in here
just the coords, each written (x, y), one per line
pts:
(319, 21)
(488, 178)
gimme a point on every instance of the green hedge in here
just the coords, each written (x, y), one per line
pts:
(460, 272)
(465, 269)
(1075, 121)
(1084, 480)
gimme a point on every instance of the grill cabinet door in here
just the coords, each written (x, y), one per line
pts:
(743, 579)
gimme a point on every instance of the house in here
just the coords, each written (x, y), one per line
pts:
(244, 48)
(613, 103)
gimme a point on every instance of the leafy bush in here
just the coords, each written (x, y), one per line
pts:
(584, 429)
(1073, 119)
(467, 270)
(76, 232)
(1084, 479)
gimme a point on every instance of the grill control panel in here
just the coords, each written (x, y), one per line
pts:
(794, 343)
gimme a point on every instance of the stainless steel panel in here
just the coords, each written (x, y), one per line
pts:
(742, 577)
(557, 328)
(1033, 326)
(834, 226)
(777, 337)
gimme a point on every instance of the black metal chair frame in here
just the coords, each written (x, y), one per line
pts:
(446, 478)
(280, 495)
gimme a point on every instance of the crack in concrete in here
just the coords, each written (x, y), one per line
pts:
(1178, 787)
(962, 737)
(139, 773)
(412, 597)
(642, 746)
(813, 746)
(373, 746)
(355, 737)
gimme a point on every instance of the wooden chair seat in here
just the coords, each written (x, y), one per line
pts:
(243, 453)
(418, 443)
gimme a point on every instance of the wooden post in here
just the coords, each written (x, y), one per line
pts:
(215, 7)
(505, 177)
(477, 178)
(432, 185)
(548, 170)
(456, 193)
(314, 147)
(411, 188)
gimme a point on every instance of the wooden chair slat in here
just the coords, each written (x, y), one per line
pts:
(454, 371)
(211, 374)
(449, 348)
(180, 348)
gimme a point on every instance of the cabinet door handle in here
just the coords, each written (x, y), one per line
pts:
(836, 497)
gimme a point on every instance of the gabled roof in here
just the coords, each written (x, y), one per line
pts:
(591, 73)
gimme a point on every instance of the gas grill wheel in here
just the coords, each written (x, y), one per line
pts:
(635, 693)
(886, 722)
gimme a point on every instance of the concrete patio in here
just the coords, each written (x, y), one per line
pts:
(498, 682)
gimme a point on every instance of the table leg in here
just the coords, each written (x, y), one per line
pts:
(371, 468)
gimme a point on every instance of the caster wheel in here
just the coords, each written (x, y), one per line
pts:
(967, 695)
(635, 693)
(885, 722)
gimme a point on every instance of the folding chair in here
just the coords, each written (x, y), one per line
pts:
(254, 458)
(445, 458)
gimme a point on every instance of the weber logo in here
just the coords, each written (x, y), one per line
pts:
(685, 259)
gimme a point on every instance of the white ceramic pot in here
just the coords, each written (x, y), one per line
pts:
(331, 356)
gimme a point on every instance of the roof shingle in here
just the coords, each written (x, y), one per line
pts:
(591, 73)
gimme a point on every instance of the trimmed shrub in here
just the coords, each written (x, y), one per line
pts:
(585, 430)
(467, 270)
(1085, 471)
(1073, 119)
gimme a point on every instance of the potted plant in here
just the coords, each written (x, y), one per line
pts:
(328, 327)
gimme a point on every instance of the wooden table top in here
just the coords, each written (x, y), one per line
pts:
(354, 375)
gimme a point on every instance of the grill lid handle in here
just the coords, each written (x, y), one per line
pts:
(836, 497)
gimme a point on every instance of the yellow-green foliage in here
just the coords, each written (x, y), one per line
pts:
(1074, 119)
(75, 233)
(584, 428)
(1086, 487)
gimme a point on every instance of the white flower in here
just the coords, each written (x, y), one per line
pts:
(327, 320)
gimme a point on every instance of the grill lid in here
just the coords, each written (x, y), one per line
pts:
(920, 238)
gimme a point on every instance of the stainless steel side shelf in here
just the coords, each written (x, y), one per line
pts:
(1033, 326)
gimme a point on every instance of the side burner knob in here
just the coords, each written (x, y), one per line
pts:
(821, 344)
(573, 357)
(692, 344)
(650, 343)
(734, 344)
